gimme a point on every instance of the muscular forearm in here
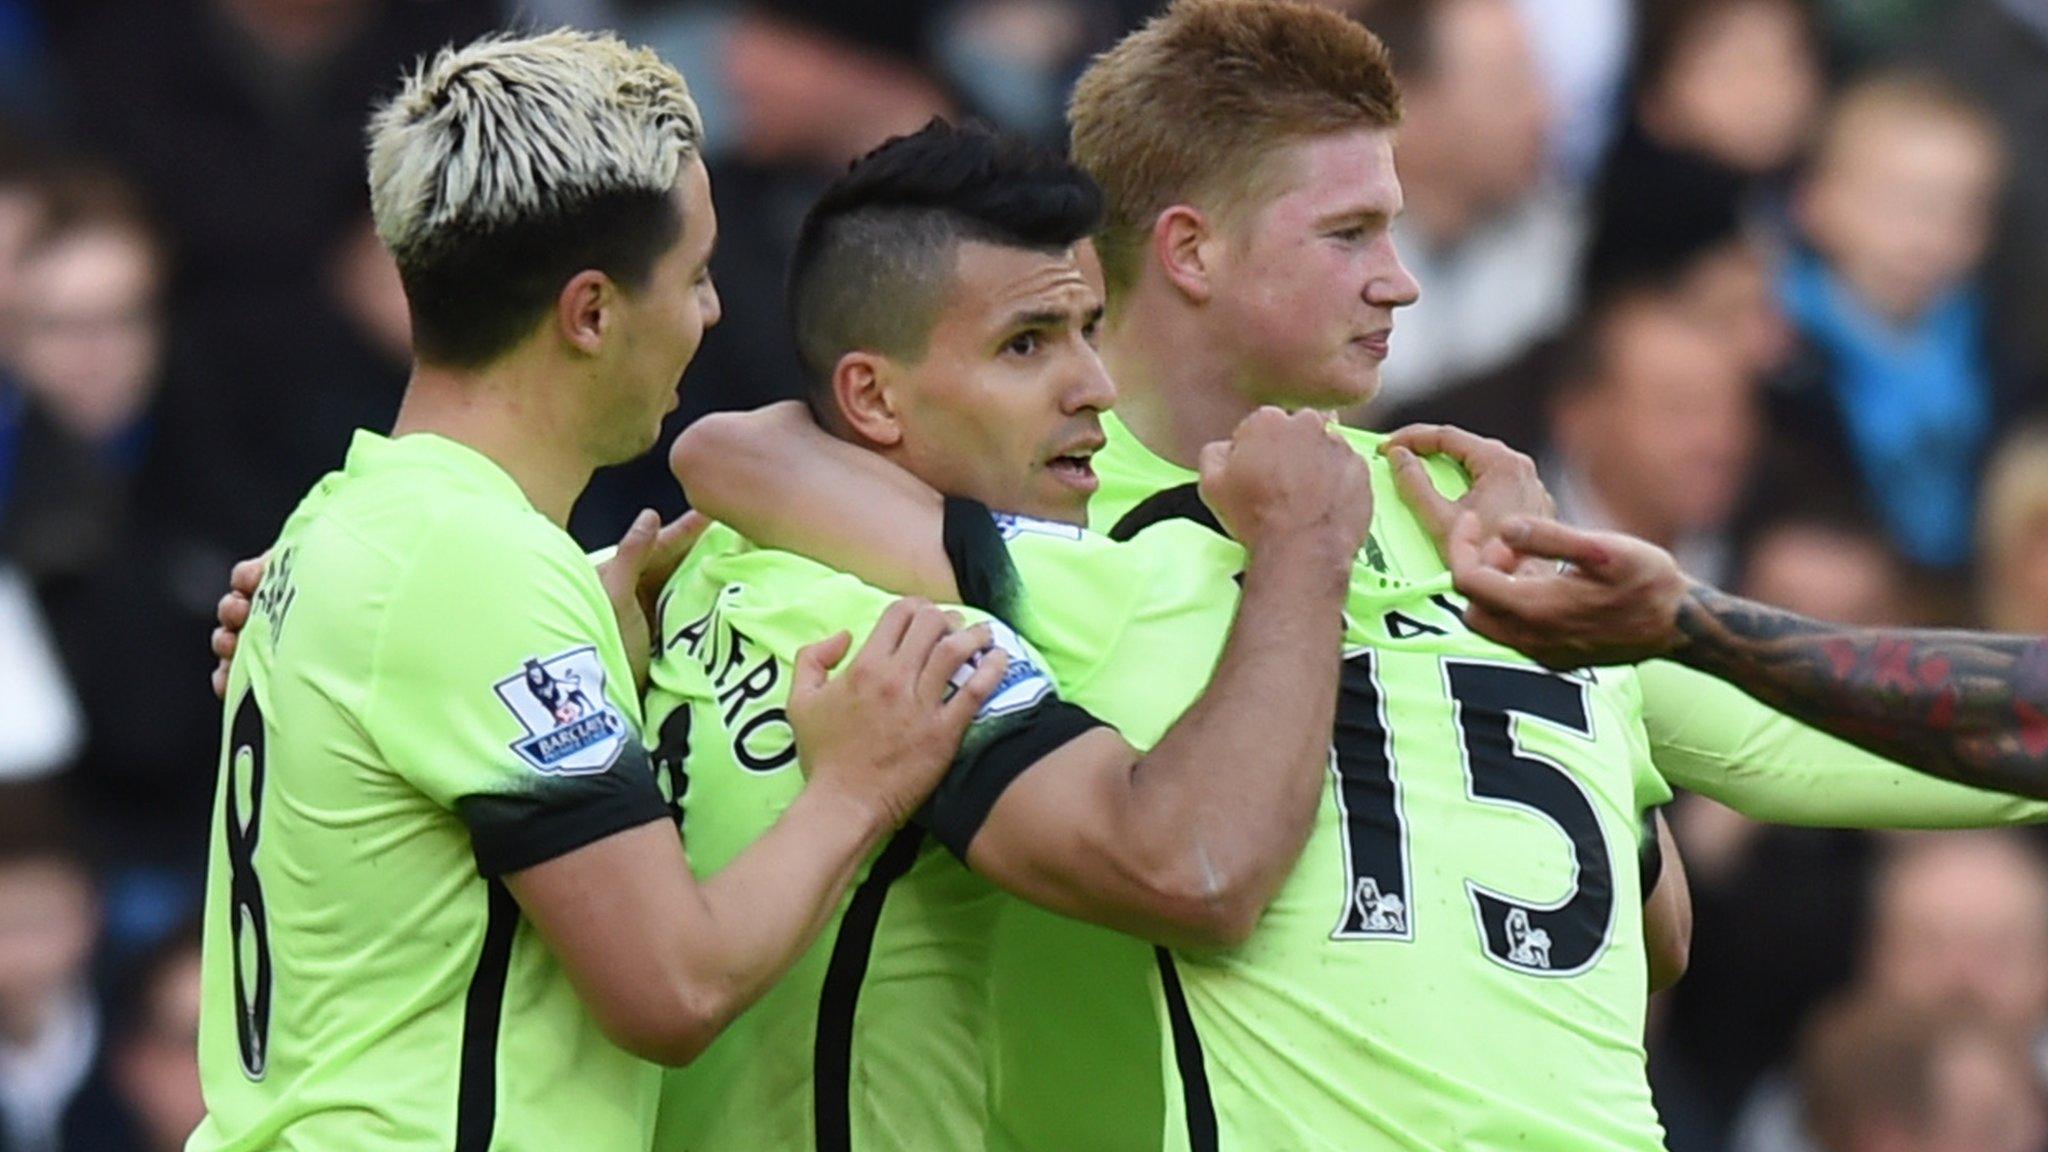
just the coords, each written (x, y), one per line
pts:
(1972, 707)
(1233, 786)
(781, 481)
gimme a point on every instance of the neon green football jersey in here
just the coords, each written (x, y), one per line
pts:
(431, 692)
(1460, 947)
(1065, 992)
(875, 1040)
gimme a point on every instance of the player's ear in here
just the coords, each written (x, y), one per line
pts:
(1184, 247)
(858, 389)
(584, 310)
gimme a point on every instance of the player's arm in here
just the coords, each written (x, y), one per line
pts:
(1968, 706)
(489, 695)
(1094, 830)
(1710, 737)
(1667, 906)
(1187, 844)
(664, 962)
(785, 483)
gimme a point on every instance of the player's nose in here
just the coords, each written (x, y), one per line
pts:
(1392, 285)
(1089, 388)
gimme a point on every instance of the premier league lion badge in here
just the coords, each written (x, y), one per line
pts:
(571, 729)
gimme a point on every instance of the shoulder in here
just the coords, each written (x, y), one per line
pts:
(502, 547)
(481, 579)
(778, 599)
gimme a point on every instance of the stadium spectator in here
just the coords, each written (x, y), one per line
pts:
(1959, 930)
(243, 122)
(1876, 1077)
(1494, 246)
(1725, 96)
(88, 331)
(2012, 536)
(52, 1089)
(1898, 212)
(1707, 264)
(1833, 567)
(152, 1051)
(85, 354)
(1998, 49)
(1734, 82)
(1960, 921)
(44, 725)
(84, 520)
(1654, 432)
(365, 283)
(1708, 254)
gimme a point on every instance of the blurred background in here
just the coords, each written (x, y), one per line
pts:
(1764, 281)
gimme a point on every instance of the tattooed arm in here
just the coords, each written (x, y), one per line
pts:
(1971, 707)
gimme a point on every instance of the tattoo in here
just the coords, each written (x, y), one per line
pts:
(1968, 706)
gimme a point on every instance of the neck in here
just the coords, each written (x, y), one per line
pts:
(1176, 389)
(503, 411)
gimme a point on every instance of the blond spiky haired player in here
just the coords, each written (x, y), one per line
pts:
(445, 904)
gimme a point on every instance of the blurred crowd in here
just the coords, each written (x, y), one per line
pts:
(1763, 281)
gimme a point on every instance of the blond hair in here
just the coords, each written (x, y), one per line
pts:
(1189, 106)
(511, 129)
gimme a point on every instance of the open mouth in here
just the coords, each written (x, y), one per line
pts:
(1076, 468)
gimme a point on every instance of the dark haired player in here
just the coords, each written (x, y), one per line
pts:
(945, 314)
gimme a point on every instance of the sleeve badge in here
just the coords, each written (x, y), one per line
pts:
(571, 727)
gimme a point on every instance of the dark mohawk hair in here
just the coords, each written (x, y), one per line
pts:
(875, 252)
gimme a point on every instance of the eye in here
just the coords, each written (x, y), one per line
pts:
(1089, 331)
(1351, 235)
(1022, 344)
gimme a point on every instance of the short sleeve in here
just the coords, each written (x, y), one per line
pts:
(501, 691)
(773, 603)
(1074, 594)
(1023, 722)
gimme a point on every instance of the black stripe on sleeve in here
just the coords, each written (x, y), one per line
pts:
(987, 766)
(1650, 854)
(1183, 502)
(476, 1098)
(832, 1054)
(1196, 1103)
(559, 814)
(981, 560)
